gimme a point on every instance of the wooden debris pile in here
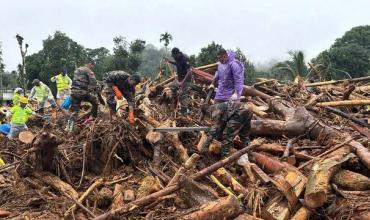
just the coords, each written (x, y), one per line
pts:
(309, 159)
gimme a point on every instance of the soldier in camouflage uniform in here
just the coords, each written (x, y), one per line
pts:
(84, 87)
(124, 84)
(232, 118)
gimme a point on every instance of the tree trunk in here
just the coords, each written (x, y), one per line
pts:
(302, 214)
(318, 180)
(223, 208)
(117, 196)
(351, 181)
(56, 183)
(344, 103)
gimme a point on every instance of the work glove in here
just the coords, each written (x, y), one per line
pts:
(131, 118)
(234, 97)
(117, 92)
(211, 86)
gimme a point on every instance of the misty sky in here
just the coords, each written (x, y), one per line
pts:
(264, 29)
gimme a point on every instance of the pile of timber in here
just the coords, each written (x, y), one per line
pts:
(309, 159)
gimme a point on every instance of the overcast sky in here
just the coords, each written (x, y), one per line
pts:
(264, 29)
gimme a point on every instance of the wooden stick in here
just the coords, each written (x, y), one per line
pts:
(173, 188)
(326, 153)
(96, 184)
(344, 103)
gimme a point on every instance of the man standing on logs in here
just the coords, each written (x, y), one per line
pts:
(232, 118)
(182, 68)
(84, 88)
(120, 84)
(229, 77)
(63, 85)
(43, 94)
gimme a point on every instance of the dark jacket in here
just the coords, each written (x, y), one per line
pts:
(182, 66)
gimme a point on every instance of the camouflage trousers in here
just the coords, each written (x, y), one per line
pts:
(184, 96)
(236, 125)
(81, 95)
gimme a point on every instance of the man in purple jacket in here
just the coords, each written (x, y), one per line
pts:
(229, 77)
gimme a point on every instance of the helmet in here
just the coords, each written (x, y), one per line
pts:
(23, 100)
(18, 90)
(36, 81)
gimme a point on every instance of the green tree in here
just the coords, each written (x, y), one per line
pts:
(293, 67)
(208, 54)
(166, 38)
(151, 57)
(249, 70)
(2, 65)
(135, 57)
(349, 55)
(103, 59)
(59, 51)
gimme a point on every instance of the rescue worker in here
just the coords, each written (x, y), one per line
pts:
(19, 117)
(84, 88)
(17, 96)
(120, 84)
(232, 118)
(229, 77)
(43, 94)
(63, 85)
(182, 68)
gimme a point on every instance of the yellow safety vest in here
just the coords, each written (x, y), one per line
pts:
(62, 82)
(20, 115)
(16, 98)
(41, 92)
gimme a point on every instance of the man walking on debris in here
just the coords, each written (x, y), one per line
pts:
(84, 88)
(43, 94)
(232, 118)
(19, 117)
(17, 96)
(63, 85)
(182, 67)
(120, 84)
(229, 77)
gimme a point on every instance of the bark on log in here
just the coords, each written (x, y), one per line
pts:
(318, 180)
(171, 189)
(56, 183)
(91, 188)
(351, 181)
(344, 103)
(224, 208)
(247, 217)
(302, 214)
(226, 178)
(117, 197)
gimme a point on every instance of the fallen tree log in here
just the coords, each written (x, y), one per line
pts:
(302, 214)
(351, 181)
(361, 122)
(223, 208)
(173, 188)
(56, 183)
(344, 103)
(318, 181)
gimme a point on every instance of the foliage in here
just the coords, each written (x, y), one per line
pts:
(127, 56)
(166, 38)
(2, 65)
(293, 67)
(349, 55)
(249, 70)
(208, 54)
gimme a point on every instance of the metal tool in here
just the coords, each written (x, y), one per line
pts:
(181, 129)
